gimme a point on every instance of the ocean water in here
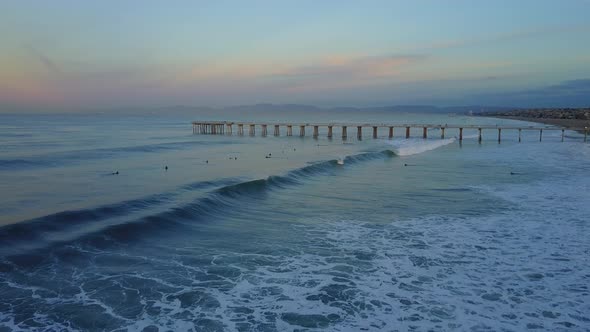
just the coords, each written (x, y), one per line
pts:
(407, 234)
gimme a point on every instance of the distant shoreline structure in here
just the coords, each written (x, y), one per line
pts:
(564, 117)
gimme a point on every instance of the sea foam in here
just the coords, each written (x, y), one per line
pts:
(415, 146)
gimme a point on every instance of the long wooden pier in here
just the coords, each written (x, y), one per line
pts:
(227, 128)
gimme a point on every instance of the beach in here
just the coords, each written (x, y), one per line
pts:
(566, 123)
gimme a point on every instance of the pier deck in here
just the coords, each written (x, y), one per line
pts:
(227, 127)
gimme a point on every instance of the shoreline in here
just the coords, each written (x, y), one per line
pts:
(574, 124)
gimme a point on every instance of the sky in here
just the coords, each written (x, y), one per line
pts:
(72, 54)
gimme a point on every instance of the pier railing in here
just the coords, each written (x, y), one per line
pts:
(227, 128)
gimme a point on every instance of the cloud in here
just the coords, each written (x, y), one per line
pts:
(330, 69)
(43, 59)
(281, 82)
(542, 31)
(567, 87)
(338, 67)
(572, 93)
(342, 72)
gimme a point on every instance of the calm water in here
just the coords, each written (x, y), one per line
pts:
(465, 237)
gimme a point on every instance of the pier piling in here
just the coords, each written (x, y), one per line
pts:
(226, 128)
(562, 134)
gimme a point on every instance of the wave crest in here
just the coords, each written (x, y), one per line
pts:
(410, 147)
(120, 221)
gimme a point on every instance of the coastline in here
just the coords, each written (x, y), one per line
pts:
(574, 124)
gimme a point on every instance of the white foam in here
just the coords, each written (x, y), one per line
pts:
(511, 270)
(7, 320)
(410, 147)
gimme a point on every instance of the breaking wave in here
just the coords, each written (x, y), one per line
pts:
(415, 146)
(119, 221)
(125, 220)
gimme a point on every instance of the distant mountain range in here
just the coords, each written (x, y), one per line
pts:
(309, 108)
(268, 108)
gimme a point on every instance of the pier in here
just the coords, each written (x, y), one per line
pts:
(226, 128)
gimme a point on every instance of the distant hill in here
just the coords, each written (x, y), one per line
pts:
(186, 110)
(311, 108)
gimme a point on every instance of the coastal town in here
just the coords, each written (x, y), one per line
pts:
(566, 117)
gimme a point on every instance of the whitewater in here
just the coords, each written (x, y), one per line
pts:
(406, 234)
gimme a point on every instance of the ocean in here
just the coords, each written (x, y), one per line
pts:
(273, 234)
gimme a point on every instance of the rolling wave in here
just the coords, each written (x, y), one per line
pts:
(228, 197)
(96, 225)
(67, 157)
(37, 232)
(8, 164)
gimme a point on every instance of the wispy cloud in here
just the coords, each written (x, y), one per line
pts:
(574, 93)
(327, 73)
(352, 67)
(43, 59)
(531, 32)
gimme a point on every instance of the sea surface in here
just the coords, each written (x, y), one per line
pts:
(273, 234)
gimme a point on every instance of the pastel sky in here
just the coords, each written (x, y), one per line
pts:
(135, 53)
